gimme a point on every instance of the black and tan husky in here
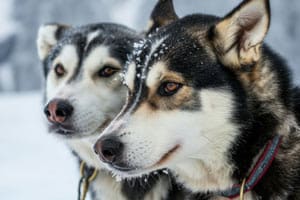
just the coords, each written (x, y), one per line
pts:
(214, 104)
(83, 92)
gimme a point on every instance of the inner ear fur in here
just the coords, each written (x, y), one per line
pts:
(238, 37)
(162, 15)
(48, 36)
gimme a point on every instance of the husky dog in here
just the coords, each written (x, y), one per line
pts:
(84, 91)
(214, 104)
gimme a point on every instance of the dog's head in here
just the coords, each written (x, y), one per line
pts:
(184, 95)
(82, 68)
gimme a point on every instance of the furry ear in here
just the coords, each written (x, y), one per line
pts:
(48, 35)
(162, 15)
(238, 37)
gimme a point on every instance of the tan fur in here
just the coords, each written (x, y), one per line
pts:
(150, 24)
(162, 15)
(204, 177)
(262, 83)
(159, 74)
(238, 37)
(184, 95)
(46, 38)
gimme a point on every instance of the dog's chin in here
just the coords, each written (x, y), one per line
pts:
(67, 131)
(128, 172)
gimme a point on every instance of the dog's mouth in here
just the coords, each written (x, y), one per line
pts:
(126, 171)
(123, 168)
(68, 130)
(167, 156)
(62, 130)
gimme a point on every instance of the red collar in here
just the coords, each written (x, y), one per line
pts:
(259, 170)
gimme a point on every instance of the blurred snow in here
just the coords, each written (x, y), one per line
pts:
(6, 77)
(34, 164)
(7, 32)
(19, 21)
(7, 24)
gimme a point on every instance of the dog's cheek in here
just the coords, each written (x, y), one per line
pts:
(88, 113)
(148, 137)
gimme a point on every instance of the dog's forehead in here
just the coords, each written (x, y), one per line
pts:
(88, 40)
(168, 53)
(145, 51)
(182, 51)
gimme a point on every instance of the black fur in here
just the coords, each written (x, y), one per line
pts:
(162, 15)
(258, 122)
(296, 100)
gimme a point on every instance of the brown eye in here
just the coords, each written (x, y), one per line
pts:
(59, 70)
(107, 71)
(169, 88)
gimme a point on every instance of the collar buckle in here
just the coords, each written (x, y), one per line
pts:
(87, 176)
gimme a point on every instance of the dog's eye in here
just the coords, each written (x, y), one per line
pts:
(107, 71)
(59, 70)
(169, 88)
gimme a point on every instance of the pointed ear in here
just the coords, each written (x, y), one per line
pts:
(238, 37)
(48, 35)
(162, 15)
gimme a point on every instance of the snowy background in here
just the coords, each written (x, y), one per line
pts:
(33, 164)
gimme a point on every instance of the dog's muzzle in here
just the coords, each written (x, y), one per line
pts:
(109, 149)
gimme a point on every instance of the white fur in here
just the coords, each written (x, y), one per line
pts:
(94, 100)
(97, 59)
(107, 188)
(92, 36)
(69, 59)
(84, 148)
(46, 40)
(129, 81)
(159, 191)
(130, 76)
(155, 74)
(154, 47)
(204, 137)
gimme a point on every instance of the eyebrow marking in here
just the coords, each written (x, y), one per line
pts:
(156, 73)
(130, 75)
(143, 74)
(90, 37)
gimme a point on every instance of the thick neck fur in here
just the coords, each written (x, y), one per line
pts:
(267, 111)
(270, 103)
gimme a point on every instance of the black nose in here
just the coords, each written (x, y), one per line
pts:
(108, 149)
(58, 110)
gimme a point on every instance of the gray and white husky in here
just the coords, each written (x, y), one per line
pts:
(84, 91)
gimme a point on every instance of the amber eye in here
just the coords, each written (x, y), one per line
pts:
(169, 88)
(59, 70)
(107, 71)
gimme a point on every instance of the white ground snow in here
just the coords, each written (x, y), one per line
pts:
(34, 165)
